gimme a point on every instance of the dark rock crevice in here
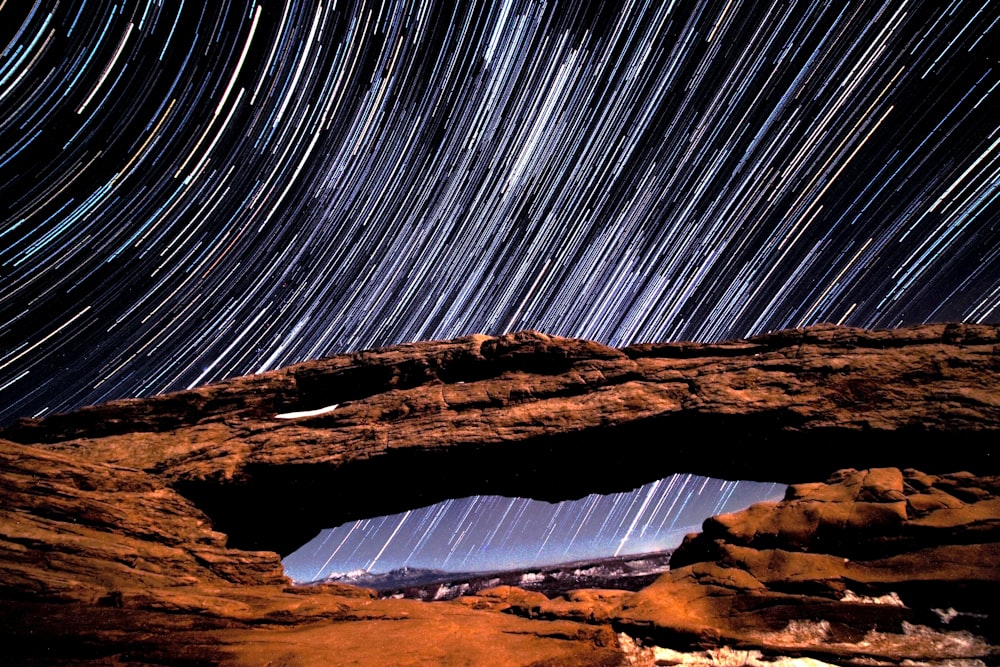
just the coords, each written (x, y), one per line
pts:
(281, 507)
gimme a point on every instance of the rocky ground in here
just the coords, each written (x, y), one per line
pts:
(149, 531)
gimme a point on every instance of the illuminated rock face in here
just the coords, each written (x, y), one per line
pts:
(129, 504)
(869, 549)
(532, 415)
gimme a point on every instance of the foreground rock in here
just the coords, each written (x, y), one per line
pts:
(872, 567)
(872, 564)
(101, 564)
(149, 530)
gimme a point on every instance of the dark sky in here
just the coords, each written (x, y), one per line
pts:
(192, 191)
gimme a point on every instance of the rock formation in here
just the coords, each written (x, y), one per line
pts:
(857, 557)
(168, 514)
(871, 567)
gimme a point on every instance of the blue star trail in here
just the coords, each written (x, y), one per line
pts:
(198, 191)
(488, 533)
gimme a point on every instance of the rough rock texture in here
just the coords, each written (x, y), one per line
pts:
(531, 415)
(875, 565)
(870, 551)
(59, 515)
(101, 564)
(114, 519)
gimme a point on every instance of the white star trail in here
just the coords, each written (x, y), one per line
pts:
(193, 192)
(542, 533)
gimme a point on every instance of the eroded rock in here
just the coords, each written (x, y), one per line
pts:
(154, 523)
(530, 415)
(851, 554)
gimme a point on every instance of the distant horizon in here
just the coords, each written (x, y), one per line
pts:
(336, 576)
(681, 532)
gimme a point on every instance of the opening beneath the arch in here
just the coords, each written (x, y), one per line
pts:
(489, 534)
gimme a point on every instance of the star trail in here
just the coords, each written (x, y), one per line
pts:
(487, 533)
(196, 191)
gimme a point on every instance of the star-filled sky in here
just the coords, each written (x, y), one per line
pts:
(486, 533)
(192, 191)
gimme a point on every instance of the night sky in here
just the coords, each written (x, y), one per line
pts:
(486, 533)
(193, 191)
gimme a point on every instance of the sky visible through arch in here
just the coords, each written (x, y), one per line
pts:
(193, 191)
(494, 533)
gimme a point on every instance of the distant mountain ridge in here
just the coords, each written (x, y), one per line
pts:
(630, 572)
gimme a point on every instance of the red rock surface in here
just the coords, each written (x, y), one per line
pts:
(866, 551)
(531, 415)
(847, 571)
(114, 519)
(101, 564)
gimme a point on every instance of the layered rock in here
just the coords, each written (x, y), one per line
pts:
(530, 415)
(875, 566)
(62, 517)
(143, 519)
(101, 564)
(868, 554)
